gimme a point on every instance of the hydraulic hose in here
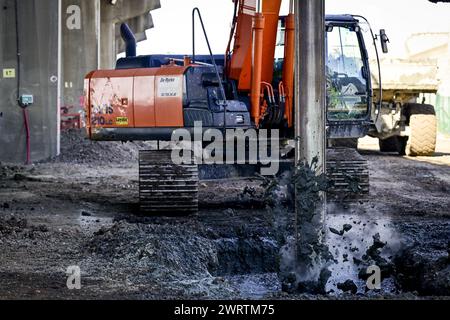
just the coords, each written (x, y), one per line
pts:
(26, 121)
(27, 130)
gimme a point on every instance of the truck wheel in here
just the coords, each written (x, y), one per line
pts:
(423, 124)
(394, 144)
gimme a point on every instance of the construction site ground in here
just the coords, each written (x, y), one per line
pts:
(81, 210)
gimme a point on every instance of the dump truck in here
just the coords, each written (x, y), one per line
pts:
(403, 124)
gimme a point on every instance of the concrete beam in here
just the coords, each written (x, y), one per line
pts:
(139, 25)
(111, 15)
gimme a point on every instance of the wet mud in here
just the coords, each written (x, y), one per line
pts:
(81, 210)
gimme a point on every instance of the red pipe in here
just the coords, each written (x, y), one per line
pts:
(27, 129)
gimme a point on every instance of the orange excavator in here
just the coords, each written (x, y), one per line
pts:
(250, 87)
(244, 81)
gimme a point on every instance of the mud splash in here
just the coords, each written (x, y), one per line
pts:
(361, 241)
(304, 257)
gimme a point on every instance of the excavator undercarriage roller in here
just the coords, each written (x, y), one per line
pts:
(165, 187)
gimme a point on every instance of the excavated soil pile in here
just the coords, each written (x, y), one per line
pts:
(165, 252)
(424, 265)
(19, 228)
(76, 148)
(7, 171)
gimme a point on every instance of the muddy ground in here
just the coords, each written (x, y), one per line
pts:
(81, 210)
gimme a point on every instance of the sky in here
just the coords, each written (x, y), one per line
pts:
(173, 27)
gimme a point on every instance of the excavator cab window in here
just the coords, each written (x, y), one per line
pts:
(348, 85)
(346, 73)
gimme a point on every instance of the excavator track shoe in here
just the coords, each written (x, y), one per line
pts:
(349, 173)
(165, 187)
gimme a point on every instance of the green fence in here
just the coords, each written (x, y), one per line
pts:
(443, 113)
(442, 105)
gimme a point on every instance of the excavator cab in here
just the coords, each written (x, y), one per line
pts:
(349, 88)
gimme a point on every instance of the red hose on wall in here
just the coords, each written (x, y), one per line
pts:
(27, 129)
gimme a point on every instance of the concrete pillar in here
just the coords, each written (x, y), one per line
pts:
(38, 45)
(93, 45)
(60, 42)
(310, 119)
(121, 11)
(80, 49)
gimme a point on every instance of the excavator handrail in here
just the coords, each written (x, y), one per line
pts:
(223, 103)
(374, 39)
(222, 89)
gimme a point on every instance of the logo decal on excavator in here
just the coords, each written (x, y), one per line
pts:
(104, 109)
(169, 87)
(122, 121)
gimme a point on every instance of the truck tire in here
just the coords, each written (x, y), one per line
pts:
(394, 144)
(423, 125)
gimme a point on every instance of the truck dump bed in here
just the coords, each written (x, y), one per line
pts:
(406, 75)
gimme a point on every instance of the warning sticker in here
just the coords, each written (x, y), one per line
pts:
(121, 121)
(169, 87)
(9, 73)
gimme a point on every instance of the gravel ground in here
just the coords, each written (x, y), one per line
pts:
(81, 210)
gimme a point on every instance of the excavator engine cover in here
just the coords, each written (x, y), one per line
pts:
(151, 103)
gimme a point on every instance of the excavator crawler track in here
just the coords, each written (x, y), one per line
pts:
(349, 174)
(165, 187)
